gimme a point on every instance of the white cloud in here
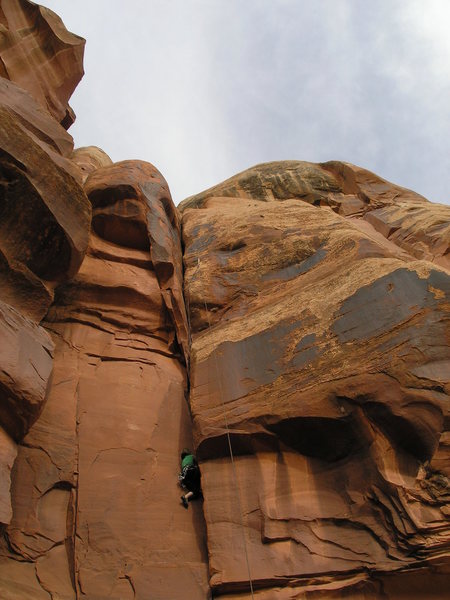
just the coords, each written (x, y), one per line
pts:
(204, 89)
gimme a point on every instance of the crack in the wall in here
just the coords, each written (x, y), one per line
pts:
(38, 447)
(130, 581)
(73, 567)
(41, 583)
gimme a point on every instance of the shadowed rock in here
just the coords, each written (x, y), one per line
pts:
(44, 227)
(53, 198)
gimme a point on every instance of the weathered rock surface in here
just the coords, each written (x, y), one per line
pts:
(54, 199)
(8, 453)
(321, 346)
(97, 510)
(317, 350)
(44, 228)
(132, 207)
(105, 376)
(26, 364)
(400, 215)
(89, 159)
(40, 55)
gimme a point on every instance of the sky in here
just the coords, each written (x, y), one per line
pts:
(204, 89)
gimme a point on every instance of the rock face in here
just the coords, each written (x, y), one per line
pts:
(93, 349)
(40, 55)
(300, 345)
(37, 185)
(320, 347)
(94, 475)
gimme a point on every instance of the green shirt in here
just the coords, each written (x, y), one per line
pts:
(188, 461)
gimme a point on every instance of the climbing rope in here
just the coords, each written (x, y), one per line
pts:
(230, 448)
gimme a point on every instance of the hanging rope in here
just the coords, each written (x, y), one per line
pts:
(230, 448)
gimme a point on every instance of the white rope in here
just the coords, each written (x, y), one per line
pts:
(221, 396)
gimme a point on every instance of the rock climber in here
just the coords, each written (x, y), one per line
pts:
(189, 477)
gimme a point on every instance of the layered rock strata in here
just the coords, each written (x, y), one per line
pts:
(308, 329)
(44, 228)
(320, 346)
(93, 349)
(95, 474)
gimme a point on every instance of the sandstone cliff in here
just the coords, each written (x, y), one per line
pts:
(320, 347)
(291, 324)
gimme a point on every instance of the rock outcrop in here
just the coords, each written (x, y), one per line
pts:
(37, 186)
(95, 474)
(40, 55)
(320, 347)
(93, 351)
(291, 324)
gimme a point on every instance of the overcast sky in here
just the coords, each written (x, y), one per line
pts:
(204, 89)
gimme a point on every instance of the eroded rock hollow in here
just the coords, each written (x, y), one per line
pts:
(290, 324)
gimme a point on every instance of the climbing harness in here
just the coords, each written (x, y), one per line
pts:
(221, 396)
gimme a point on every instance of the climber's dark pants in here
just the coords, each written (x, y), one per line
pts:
(191, 480)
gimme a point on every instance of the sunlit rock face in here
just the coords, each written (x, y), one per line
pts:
(309, 322)
(40, 55)
(89, 159)
(96, 507)
(44, 228)
(320, 343)
(93, 349)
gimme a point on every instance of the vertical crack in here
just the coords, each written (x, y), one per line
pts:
(72, 515)
(130, 581)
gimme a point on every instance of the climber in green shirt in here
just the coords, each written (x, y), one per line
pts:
(189, 477)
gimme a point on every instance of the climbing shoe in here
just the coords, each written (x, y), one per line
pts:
(184, 501)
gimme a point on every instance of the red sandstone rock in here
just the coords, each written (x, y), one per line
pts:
(26, 364)
(132, 207)
(96, 506)
(318, 298)
(35, 120)
(89, 159)
(44, 228)
(323, 347)
(40, 55)
(25, 368)
(8, 453)
(38, 126)
(400, 215)
(54, 200)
